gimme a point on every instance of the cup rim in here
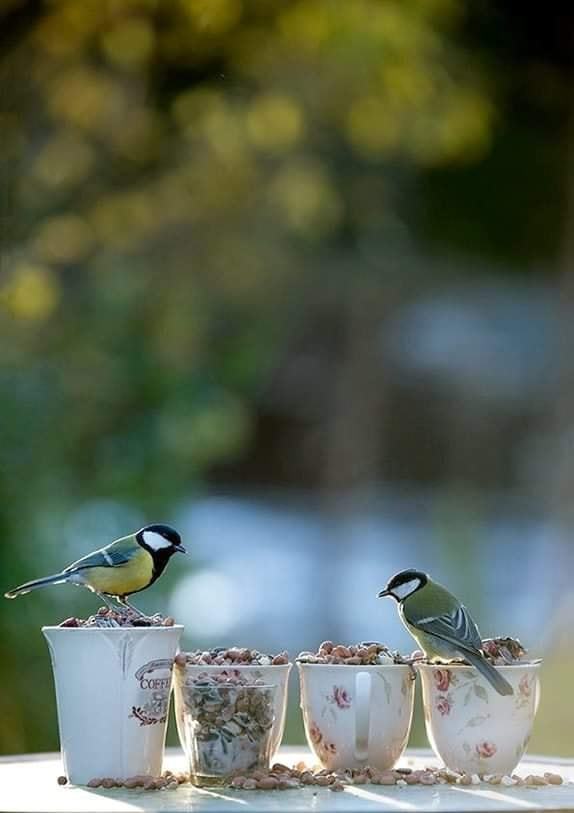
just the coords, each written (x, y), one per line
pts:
(355, 666)
(248, 686)
(462, 666)
(94, 628)
(227, 666)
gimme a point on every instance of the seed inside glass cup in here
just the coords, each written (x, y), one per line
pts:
(227, 727)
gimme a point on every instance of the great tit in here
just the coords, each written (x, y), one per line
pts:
(128, 565)
(442, 626)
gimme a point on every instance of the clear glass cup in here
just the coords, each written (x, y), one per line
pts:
(227, 730)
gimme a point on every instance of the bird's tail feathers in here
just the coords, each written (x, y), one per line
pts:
(490, 672)
(58, 578)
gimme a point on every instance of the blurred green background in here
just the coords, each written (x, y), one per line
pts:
(298, 278)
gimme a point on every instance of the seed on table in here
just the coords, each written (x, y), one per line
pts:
(307, 778)
(553, 778)
(131, 782)
(430, 779)
(250, 784)
(268, 783)
(337, 787)
(288, 784)
(278, 767)
(108, 783)
(465, 779)
(62, 780)
(149, 784)
(94, 783)
(536, 781)
(237, 781)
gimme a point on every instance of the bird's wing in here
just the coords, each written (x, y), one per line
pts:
(456, 627)
(118, 553)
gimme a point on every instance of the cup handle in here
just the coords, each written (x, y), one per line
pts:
(362, 715)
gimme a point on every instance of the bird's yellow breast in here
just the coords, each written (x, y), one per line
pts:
(121, 580)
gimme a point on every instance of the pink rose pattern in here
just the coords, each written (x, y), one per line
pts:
(323, 749)
(444, 704)
(340, 697)
(442, 679)
(315, 734)
(485, 749)
(524, 687)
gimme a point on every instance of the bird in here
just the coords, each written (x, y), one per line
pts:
(128, 565)
(441, 625)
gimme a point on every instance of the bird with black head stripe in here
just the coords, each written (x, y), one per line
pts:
(441, 625)
(124, 567)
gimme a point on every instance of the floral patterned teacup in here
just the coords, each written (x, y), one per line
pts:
(356, 715)
(471, 727)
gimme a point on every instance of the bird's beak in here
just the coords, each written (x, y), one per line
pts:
(383, 593)
(180, 548)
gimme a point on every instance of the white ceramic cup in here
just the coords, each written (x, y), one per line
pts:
(271, 676)
(471, 727)
(112, 690)
(356, 715)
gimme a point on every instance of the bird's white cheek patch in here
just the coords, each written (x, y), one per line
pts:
(155, 541)
(405, 589)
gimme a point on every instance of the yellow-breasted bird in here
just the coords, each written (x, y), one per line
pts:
(441, 625)
(126, 566)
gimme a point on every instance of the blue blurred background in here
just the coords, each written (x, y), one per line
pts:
(298, 279)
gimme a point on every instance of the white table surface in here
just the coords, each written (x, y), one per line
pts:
(28, 783)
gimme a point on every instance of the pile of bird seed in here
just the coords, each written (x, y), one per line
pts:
(231, 656)
(228, 718)
(503, 651)
(281, 777)
(367, 653)
(167, 781)
(499, 651)
(108, 617)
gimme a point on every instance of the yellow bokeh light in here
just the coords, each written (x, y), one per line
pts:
(213, 16)
(373, 127)
(306, 197)
(130, 44)
(86, 98)
(139, 139)
(63, 239)
(274, 122)
(460, 134)
(191, 104)
(64, 161)
(307, 25)
(31, 293)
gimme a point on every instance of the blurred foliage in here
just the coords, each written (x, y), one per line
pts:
(180, 177)
(175, 167)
